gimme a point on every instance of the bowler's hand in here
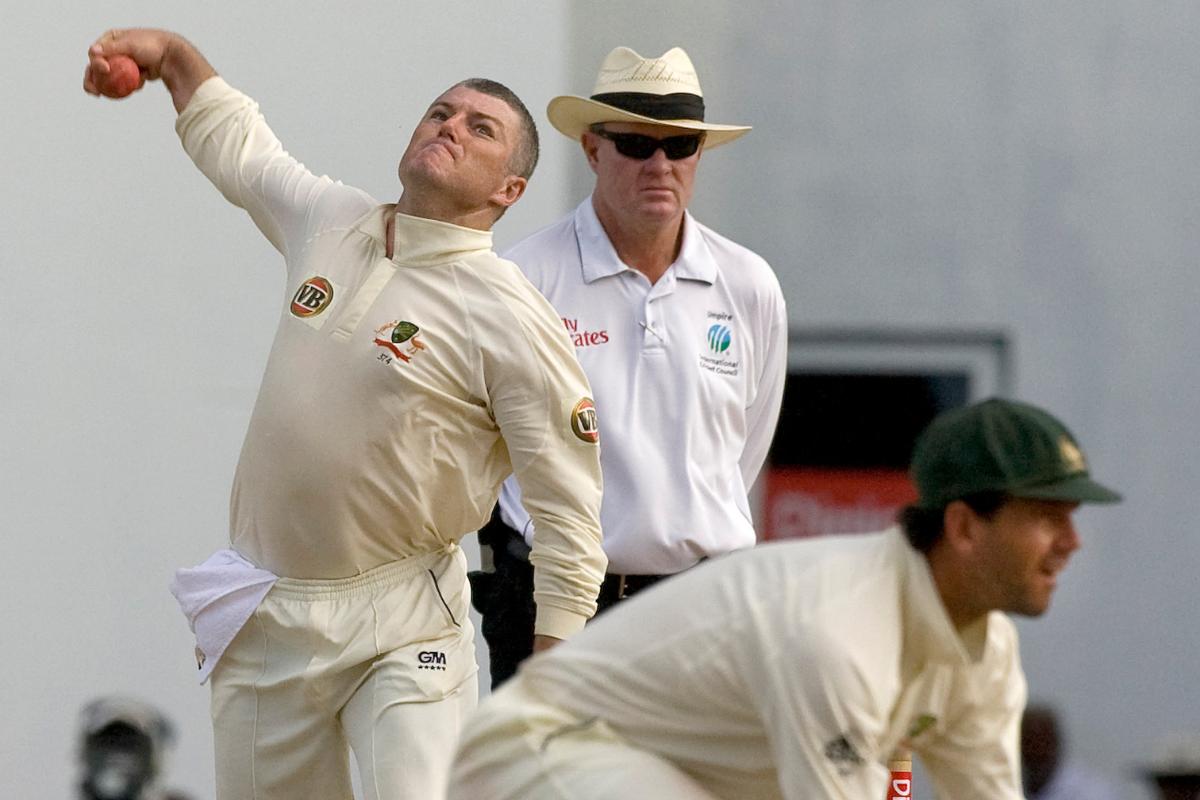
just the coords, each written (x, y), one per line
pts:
(159, 55)
(542, 642)
(146, 47)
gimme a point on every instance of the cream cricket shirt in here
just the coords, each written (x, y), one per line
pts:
(688, 375)
(792, 670)
(399, 392)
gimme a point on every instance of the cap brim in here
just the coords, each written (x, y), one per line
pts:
(1078, 489)
(571, 116)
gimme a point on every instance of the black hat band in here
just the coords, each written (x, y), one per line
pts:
(678, 105)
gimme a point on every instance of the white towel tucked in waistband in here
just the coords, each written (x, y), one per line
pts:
(218, 597)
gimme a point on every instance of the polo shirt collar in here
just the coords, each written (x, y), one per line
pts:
(424, 242)
(600, 260)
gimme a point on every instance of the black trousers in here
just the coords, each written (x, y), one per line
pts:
(504, 598)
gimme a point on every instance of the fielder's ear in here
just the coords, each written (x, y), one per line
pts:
(510, 192)
(959, 530)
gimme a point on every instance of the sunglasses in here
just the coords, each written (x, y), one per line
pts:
(636, 145)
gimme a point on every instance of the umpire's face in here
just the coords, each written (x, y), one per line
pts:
(641, 193)
(1019, 552)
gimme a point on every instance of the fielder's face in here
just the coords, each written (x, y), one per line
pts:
(1020, 552)
(462, 151)
(640, 193)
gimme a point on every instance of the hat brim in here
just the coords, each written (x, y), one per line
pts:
(1077, 489)
(571, 116)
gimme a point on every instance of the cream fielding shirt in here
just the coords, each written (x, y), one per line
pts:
(688, 374)
(792, 670)
(399, 392)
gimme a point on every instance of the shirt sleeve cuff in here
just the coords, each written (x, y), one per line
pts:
(558, 622)
(211, 89)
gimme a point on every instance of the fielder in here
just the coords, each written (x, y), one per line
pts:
(793, 670)
(412, 371)
(682, 333)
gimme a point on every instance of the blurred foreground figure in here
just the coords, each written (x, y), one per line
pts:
(123, 749)
(1175, 769)
(1047, 772)
(793, 670)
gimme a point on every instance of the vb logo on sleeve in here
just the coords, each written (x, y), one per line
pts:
(584, 422)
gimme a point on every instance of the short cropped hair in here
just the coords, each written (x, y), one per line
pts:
(525, 155)
(924, 526)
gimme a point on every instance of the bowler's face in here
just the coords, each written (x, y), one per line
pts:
(1024, 547)
(656, 190)
(462, 146)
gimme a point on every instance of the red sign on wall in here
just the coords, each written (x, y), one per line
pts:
(806, 501)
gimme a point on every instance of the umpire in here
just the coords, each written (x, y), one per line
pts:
(682, 333)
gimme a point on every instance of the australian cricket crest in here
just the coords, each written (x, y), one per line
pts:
(400, 340)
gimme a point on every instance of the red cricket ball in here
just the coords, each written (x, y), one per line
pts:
(123, 78)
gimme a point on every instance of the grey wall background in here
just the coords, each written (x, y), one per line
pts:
(1018, 165)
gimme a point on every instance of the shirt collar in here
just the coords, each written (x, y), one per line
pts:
(929, 631)
(599, 258)
(424, 242)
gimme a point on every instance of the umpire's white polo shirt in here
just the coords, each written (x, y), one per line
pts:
(688, 375)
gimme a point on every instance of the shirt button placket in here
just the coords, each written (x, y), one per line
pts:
(654, 335)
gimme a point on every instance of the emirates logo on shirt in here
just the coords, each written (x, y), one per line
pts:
(584, 338)
(313, 297)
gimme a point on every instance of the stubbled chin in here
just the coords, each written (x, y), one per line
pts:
(423, 168)
(664, 207)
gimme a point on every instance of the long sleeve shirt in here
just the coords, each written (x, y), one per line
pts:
(793, 670)
(399, 391)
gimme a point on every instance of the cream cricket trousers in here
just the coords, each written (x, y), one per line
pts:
(518, 747)
(383, 663)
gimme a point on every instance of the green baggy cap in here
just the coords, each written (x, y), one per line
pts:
(1001, 446)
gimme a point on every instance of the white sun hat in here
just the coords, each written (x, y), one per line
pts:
(631, 88)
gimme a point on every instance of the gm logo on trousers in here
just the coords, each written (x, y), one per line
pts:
(431, 659)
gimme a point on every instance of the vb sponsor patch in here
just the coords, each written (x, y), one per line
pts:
(312, 299)
(584, 422)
